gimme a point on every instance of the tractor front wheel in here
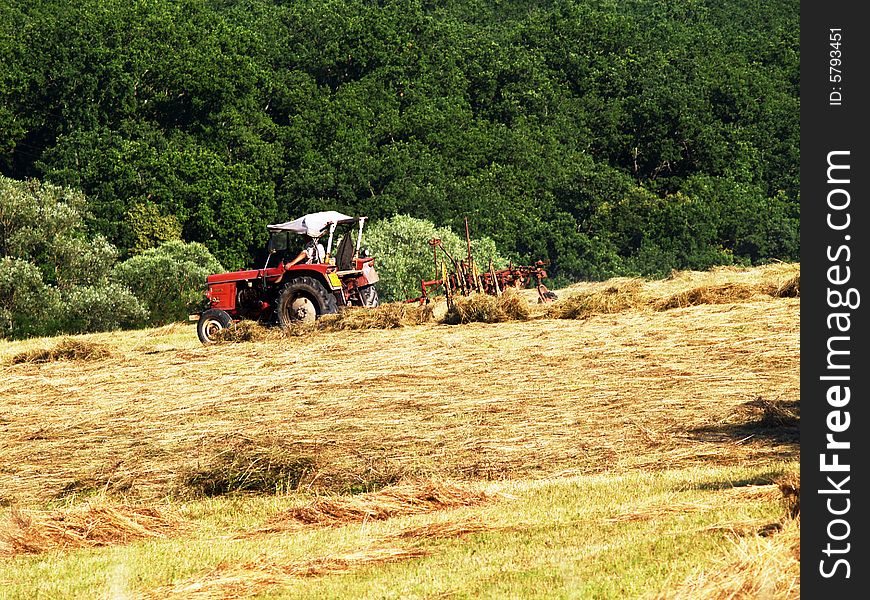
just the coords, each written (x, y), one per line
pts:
(210, 322)
(304, 299)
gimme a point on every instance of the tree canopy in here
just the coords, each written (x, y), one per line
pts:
(608, 136)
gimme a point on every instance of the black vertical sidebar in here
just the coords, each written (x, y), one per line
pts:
(835, 226)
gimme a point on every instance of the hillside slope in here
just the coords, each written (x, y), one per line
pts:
(620, 391)
(695, 393)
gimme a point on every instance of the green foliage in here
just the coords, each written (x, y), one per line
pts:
(54, 277)
(403, 255)
(533, 119)
(28, 306)
(652, 235)
(104, 307)
(34, 215)
(168, 279)
(149, 228)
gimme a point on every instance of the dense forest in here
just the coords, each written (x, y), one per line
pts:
(609, 136)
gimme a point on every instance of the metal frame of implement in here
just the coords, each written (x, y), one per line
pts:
(465, 277)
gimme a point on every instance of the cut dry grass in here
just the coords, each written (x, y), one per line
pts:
(790, 288)
(35, 532)
(244, 331)
(682, 289)
(410, 498)
(629, 392)
(729, 293)
(658, 511)
(228, 582)
(754, 492)
(764, 560)
(611, 300)
(385, 316)
(66, 349)
(483, 308)
(790, 486)
(772, 413)
(262, 465)
(447, 530)
(760, 566)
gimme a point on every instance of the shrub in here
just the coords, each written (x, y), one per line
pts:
(28, 307)
(107, 307)
(403, 256)
(53, 274)
(168, 279)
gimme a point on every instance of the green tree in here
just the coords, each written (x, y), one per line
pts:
(403, 256)
(28, 307)
(169, 279)
(150, 228)
(54, 277)
(533, 119)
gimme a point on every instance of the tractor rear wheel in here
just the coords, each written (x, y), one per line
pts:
(304, 299)
(210, 322)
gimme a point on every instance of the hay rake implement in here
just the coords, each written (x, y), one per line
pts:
(463, 277)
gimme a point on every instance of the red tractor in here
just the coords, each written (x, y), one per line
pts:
(281, 293)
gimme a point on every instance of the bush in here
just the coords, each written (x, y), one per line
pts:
(168, 279)
(88, 309)
(76, 261)
(403, 256)
(28, 307)
(54, 277)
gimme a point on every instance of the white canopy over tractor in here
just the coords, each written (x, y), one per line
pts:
(314, 224)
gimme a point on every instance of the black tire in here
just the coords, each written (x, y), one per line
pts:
(210, 322)
(369, 296)
(307, 294)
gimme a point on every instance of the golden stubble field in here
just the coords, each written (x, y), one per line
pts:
(661, 382)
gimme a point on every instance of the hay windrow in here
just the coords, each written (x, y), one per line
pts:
(614, 299)
(790, 288)
(386, 316)
(66, 349)
(754, 492)
(261, 465)
(718, 294)
(772, 413)
(35, 532)
(405, 499)
(447, 530)
(244, 331)
(658, 511)
(228, 582)
(790, 486)
(483, 308)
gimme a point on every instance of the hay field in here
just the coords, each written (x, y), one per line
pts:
(699, 371)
